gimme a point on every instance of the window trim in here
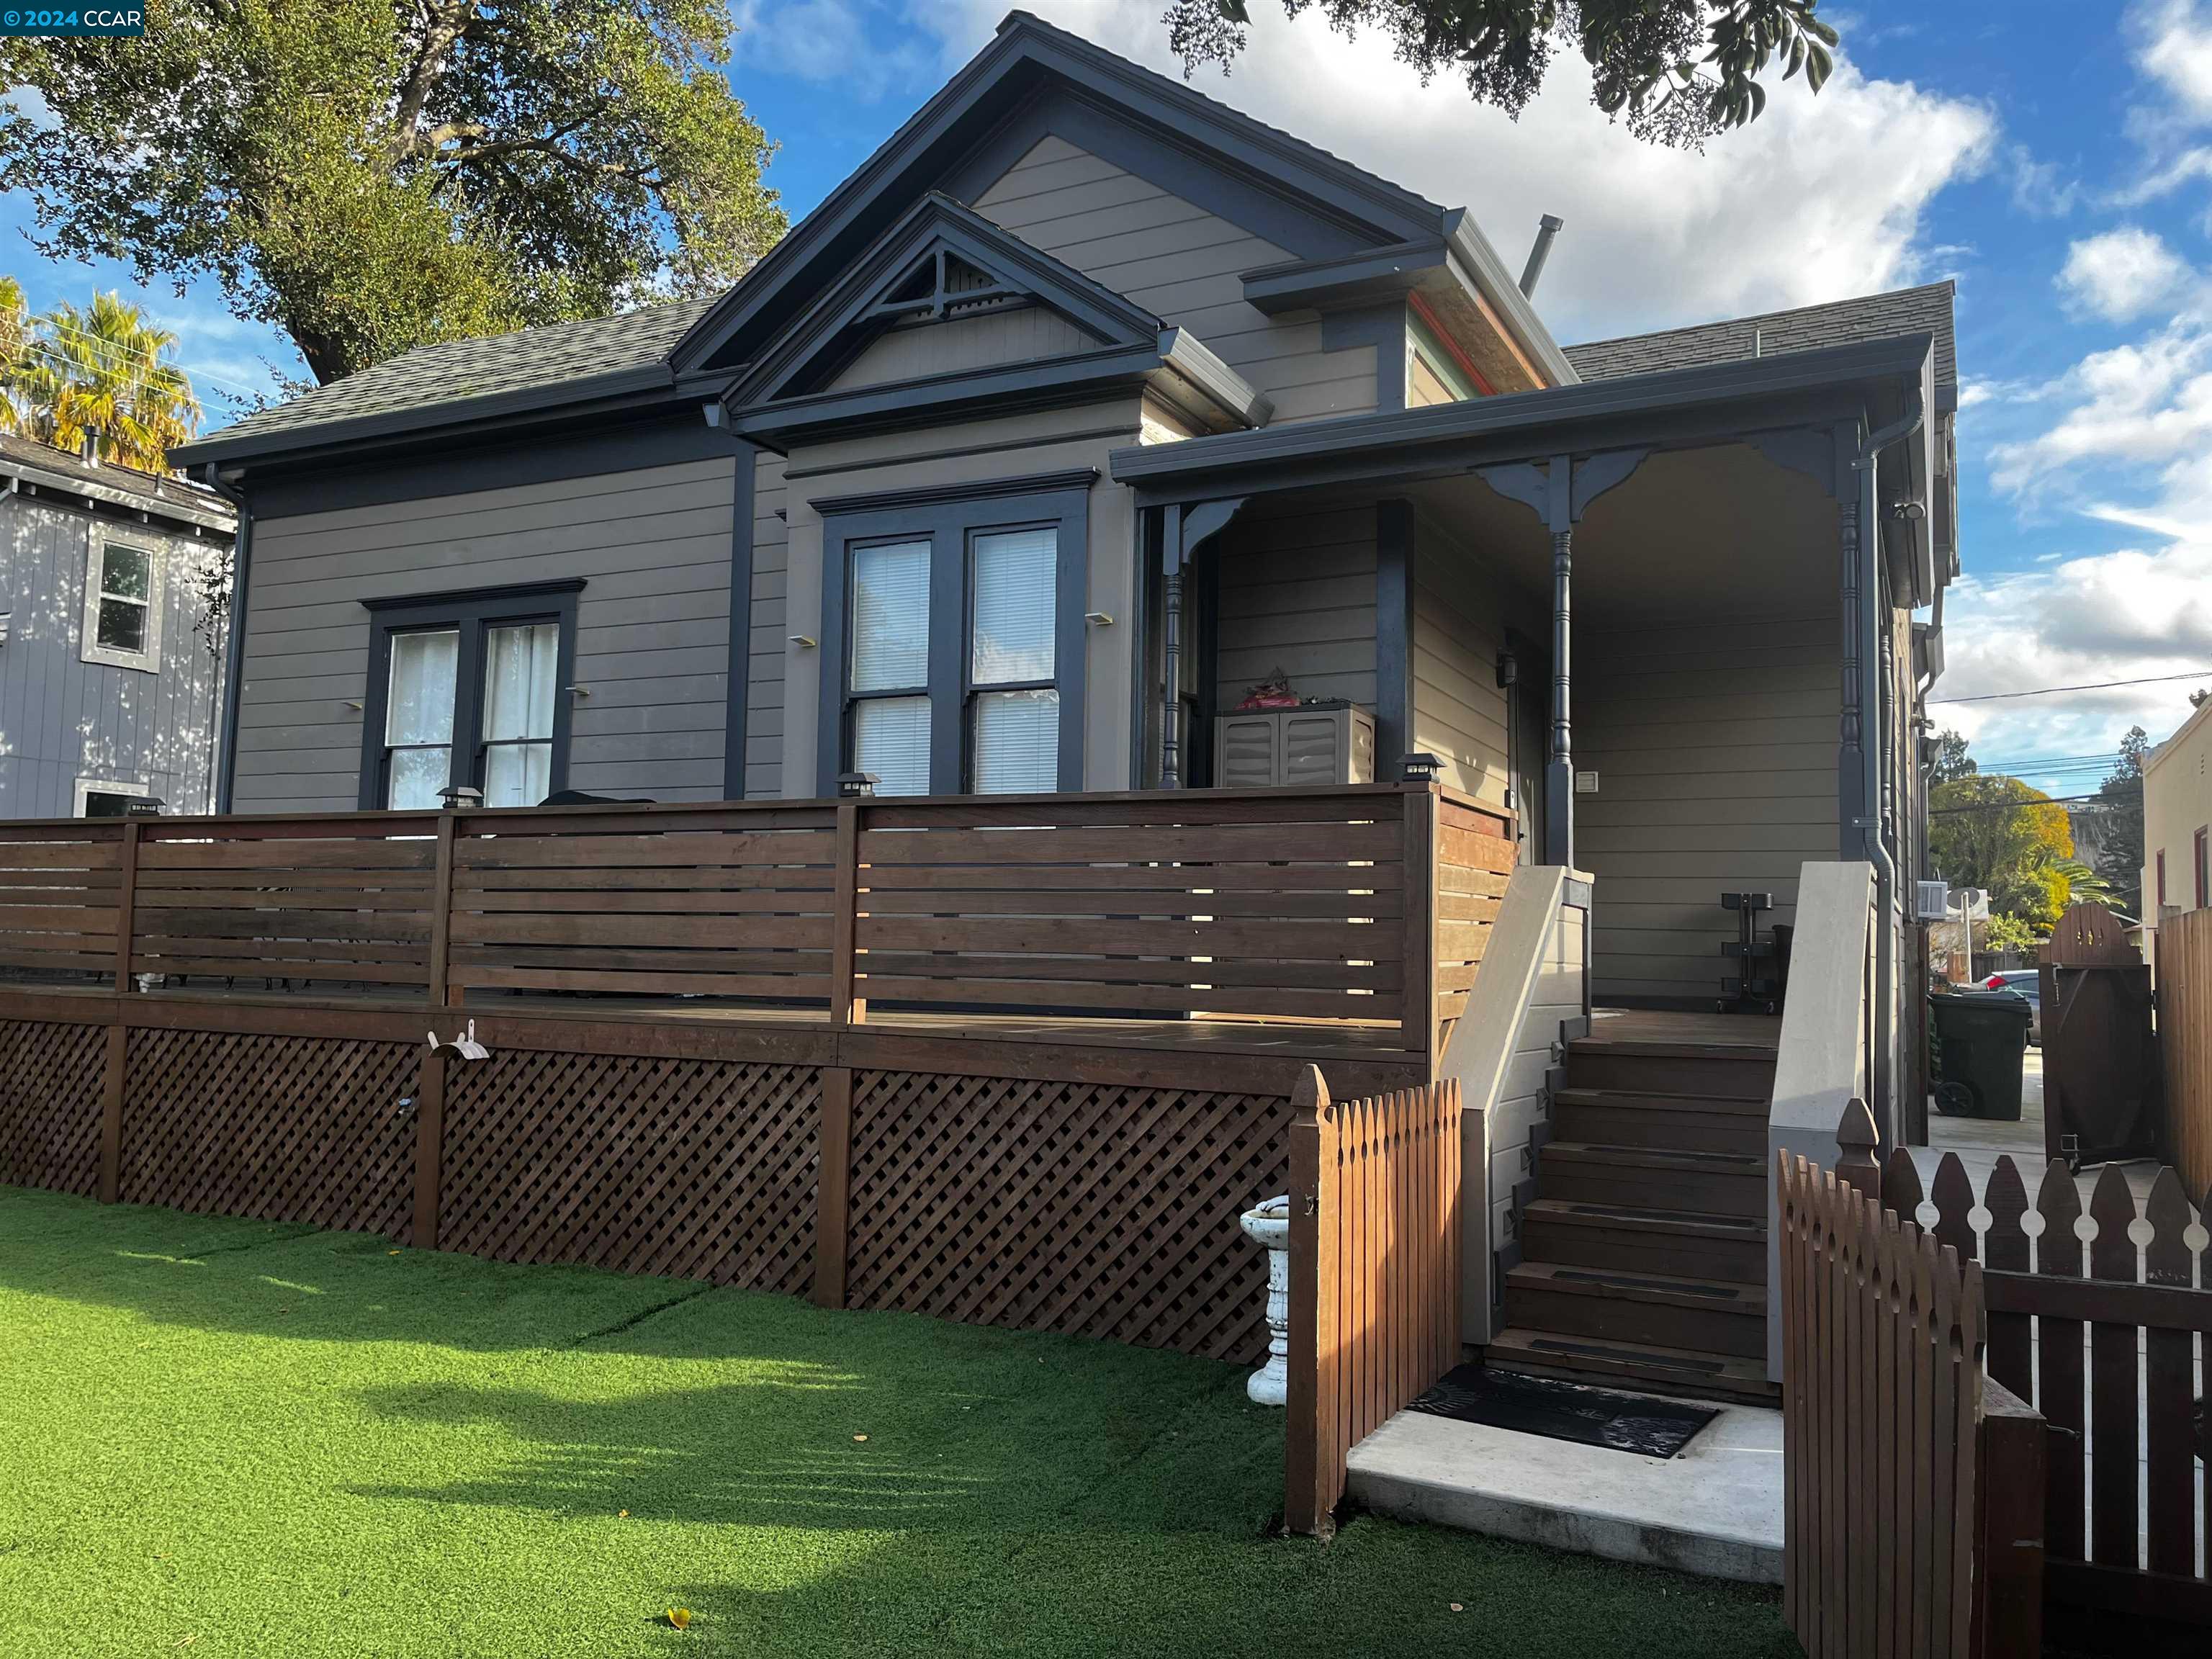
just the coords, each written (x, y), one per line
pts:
(2202, 862)
(100, 537)
(1061, 502)
(86, 787)
(473, 611)
(2159, 864)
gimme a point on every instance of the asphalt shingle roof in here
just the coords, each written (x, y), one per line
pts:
(1925, 310)
(454, 370)
(146, 486)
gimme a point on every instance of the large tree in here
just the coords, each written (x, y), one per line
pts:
(367, 175)
(2120, 853)
(1678, 70)
(1987, 830)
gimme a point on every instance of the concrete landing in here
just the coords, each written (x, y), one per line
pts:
(1716, 1509)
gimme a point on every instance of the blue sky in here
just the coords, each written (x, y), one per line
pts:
(2054, 157)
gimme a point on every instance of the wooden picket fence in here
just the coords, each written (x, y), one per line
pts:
(2184, 1032)
(2111, 1341)
(1374, 1294)
(1895, 1542)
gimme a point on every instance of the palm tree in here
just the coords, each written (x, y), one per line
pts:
(103, 381)
(13, 308)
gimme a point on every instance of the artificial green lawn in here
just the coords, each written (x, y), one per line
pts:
(274, 1440)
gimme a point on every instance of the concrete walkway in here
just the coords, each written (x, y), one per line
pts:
(1716, 1509)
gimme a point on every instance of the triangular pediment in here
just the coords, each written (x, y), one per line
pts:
(943, 291)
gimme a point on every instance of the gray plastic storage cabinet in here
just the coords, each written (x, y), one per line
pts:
(1315, 744)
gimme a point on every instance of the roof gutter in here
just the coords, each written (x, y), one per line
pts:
(1496, 285)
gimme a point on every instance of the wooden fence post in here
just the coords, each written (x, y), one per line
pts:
(1857, 1139)
(846, 1009)
(126, 900)
(1309, 1431)
(429, 1148)
(832, 1188)
(2008, 1526)
(1419, 877)
(441, 915)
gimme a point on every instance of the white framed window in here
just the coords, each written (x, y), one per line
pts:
(123, 601)
(106, 797)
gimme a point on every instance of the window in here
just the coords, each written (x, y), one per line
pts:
(2161, 878)
(889, 666)
(468, 690)
(1014, 708)
(2203, 874)
(103, 798)
(959, 629)
(122, 603)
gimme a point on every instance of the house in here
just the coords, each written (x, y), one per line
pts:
(109, 656)
(2176, 866)
(1086, 406)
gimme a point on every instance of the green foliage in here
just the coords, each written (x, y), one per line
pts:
(2006, 933)
(1952, 760)
(309, 1445)
(100, 373)
(1991, 831)
(369, 175)
(1679, 71)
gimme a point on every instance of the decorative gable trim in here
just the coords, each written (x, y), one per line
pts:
(941, 260)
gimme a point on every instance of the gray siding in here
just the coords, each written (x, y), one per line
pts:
(62, 717)
(764, 691)
(653, 624)
(964, 342)
(1012, 447)
(1182, 264)
(1460, 615)
(1297, 593)
(1715, 748)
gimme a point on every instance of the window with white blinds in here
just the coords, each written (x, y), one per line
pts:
(1015, 736)
(891, 654)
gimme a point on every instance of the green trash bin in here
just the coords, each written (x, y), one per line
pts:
(1979, 1037)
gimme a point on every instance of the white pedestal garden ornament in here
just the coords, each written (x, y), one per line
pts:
(1268, 1225)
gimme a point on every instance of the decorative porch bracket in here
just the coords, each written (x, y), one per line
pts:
(1560, 491)
(1184, 528)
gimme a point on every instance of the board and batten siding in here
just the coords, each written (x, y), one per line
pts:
(653, 545)
(764, 689)
(63, 718)
(1184, 265)
(1461, 612)
(1297, 593)
(1027, 445)
(1715, 746)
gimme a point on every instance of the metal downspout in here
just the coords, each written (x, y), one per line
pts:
(1870, 708)
(234, 654)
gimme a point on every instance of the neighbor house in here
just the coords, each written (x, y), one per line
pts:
(1084, 409)
(110, 646)
(2176, 859)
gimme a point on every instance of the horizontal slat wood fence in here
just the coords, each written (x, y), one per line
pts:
(2111, 1340)
(1881, 1343)
(1375, 1256)
(1366, 904)
(2185, 1033)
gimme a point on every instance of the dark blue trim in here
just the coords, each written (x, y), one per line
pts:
(734, 734)
(1383, 327)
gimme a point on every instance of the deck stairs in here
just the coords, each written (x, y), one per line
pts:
(1643, 1249)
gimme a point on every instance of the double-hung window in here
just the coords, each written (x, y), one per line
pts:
(957, 629)
(469, 691)
(122, 603)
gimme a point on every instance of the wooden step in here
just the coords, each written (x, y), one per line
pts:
(1697, 1314)
(1654, 1178)
(1730, 1249)
(1690, 1123)
(1673, 1068)
(1637, 1364)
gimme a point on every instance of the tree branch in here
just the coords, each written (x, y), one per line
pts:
(444, 22)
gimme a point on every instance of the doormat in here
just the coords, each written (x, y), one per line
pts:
(1564, 1411)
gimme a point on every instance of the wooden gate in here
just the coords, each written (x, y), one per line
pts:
(1912, 1491)
(2103, 1097)
(2185, 1036)
(1375, 1253)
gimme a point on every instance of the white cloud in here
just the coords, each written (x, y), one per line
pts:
(2173, 48)
(866, 49)
(1822, 198)
(2121, 274)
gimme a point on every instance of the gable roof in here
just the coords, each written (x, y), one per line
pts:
(59, 471)
(1901, 311)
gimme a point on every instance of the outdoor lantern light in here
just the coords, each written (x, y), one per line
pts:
(853, 786)
(459, 797)
(1421, 768)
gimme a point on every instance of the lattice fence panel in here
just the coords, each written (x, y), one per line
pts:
(1085, 1208)
(51, 1080)
(692, 1168)
(280, 1129)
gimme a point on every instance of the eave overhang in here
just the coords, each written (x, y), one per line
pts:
(1867, 384)
(62, 487)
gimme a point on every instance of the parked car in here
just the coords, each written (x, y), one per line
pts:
(2025, 982)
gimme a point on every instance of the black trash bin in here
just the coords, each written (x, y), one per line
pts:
(1980, 1036)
